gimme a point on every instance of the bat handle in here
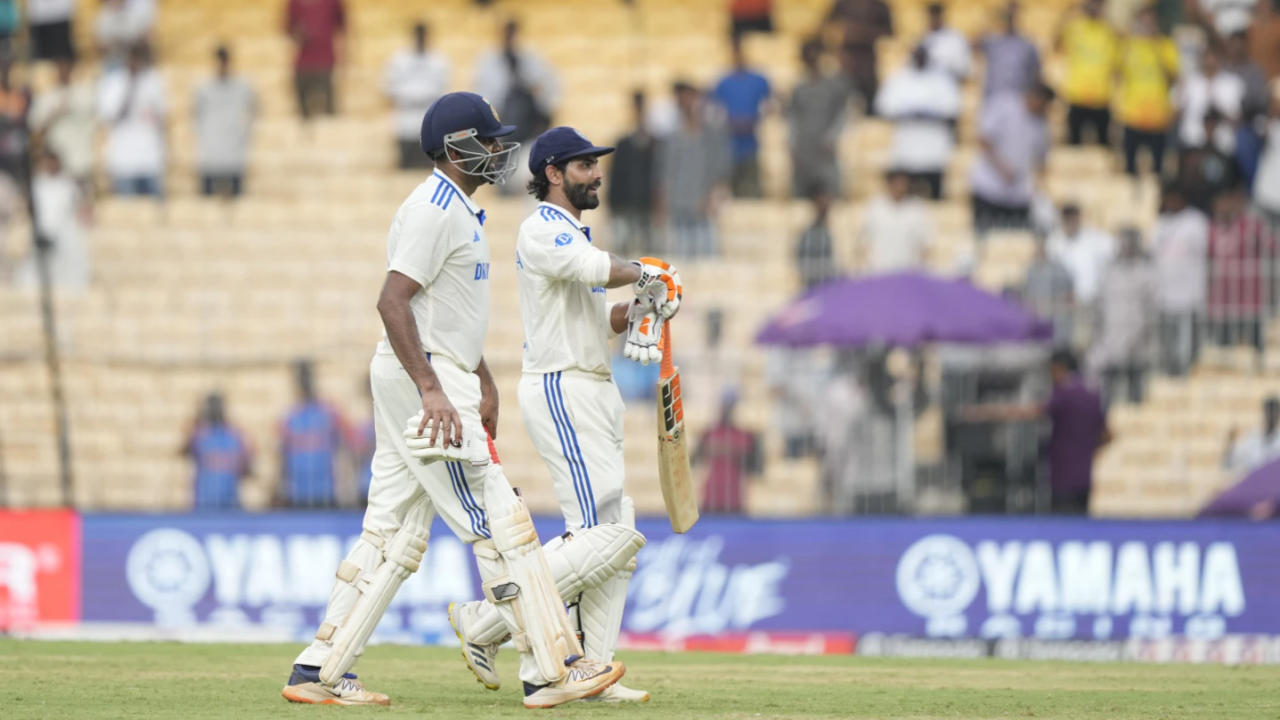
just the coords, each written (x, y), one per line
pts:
(667, 366)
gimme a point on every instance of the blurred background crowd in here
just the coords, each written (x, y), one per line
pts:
(211, 183)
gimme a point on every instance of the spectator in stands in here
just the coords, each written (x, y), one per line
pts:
(1208, 169)
(317, 28)
(225, 108)
(750, 16)
(815, 250)
(947, 47)
(744, 94)
(521, 82)
(1078, 430)
(1242, 255)
(864, 23)
(1148, 69)
(61, 213)
(1209, 88)
(133, 104)
(1243, 454)
(1238, 62)
(1223, 18)
(14, 136)
(1014, 141)
(923, 104)
(526, 90)
(9, 26)
(896, 229)
(1180, 244)
(1013, 62)
(51, 30)
(692, 169)
(121, 25)
(1128, 304)
(1266, 183)
(730, 454)
(64, 118)
(816, 116)
(1085, 252)
(794, 381)
(311, 436)
(1090, 47)
(414, 78)
(1047, 291)
(631, 179)
(222, 457)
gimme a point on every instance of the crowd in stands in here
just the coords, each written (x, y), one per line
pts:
(1196, 119)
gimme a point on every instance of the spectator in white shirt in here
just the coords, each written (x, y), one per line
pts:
(133, 105)
(896, 229)
(64, 117)
(1251, 451)
(1014, 141)
(1085, 252)
(60, 220)
(1212, 88)
(524, 88)
(948, 48)
(414, 79)
(1180, 244)
(224, 111)
(923, 104)
(121, 25)
(51, 33)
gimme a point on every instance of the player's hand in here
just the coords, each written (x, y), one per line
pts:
(473, 449)
(439, 418)
(489, 407)
(659, 285)
(644, 330)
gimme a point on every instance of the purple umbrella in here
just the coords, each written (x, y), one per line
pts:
(1259, 486)
(900, 309)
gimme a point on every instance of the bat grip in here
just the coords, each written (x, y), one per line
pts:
(667, 367)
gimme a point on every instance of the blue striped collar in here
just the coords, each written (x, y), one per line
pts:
(446, 191)
(551, 211)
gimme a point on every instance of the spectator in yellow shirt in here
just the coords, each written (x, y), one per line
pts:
(1148, 69)
(1090, 47)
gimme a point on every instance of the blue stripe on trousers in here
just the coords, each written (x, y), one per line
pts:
(577, 451)
(564, 445)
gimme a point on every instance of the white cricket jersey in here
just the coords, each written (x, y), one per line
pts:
(562, 297)
(437, 239)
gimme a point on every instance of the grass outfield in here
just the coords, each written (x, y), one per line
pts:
(168, 680)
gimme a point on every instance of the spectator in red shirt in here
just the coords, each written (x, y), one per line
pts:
(730, 454)
(316, 27)
(1242, 251)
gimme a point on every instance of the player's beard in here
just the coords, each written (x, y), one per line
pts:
(580, 196)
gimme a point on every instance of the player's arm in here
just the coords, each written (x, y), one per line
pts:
(402, 333)
(488, 399)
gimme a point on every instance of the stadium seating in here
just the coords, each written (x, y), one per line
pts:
(195, 294)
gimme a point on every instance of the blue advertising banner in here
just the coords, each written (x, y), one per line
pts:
(1047, 578)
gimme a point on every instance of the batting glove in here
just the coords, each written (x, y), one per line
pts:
(644, 329)
(660, 285)
(474, 448)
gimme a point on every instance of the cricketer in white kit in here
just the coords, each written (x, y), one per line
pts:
(570, 405)
(429, 371)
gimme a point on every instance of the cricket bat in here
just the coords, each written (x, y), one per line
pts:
(673, 449)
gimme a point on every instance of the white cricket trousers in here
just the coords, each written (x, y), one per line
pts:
(404, 494)
(575, 422)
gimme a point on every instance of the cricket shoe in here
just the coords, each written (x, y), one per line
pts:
(481, 659)
(584, 679)
(305, 687)
(619, 693)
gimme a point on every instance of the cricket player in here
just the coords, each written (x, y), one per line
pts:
(569, 402)
(429, 371)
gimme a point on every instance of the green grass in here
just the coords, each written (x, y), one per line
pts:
(187, 682)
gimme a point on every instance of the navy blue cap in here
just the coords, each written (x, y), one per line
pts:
(559, 144)
(456, 111)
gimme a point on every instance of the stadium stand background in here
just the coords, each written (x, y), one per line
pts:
(195, 294)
